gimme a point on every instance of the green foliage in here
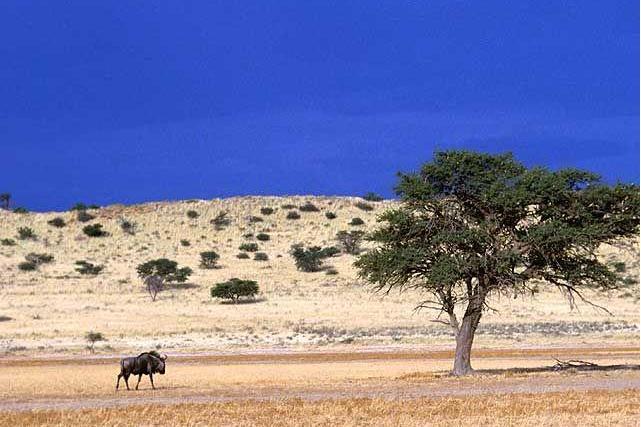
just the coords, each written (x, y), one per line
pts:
(209, 259)
(79, 207)
(94, 230)
(57, 222)
(84, 216)
(266, 211)
(88, 269)
(185, 242)
(221, 221)
(619, 267)
(293, 215)
(311, 259)
(92, 338)
(127, 226)
(164, 268)
(350, 241)
(263, 237)
(331, 271)
(330, 215)
(372, 197)
(308, 207)
(255, 219)
(38, 259)
(473, 225)
(243, 255)
(356, 221)
(261, 256)
(25, 233)
(364, 206)
(27, 266)
(248, 247)
(192, 214)
(235, 289)
(20, 210)
(288, 206)
(8, 242)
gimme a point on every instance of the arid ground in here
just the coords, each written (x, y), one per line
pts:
(314, 348)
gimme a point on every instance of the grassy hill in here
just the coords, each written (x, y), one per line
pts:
(52, 308)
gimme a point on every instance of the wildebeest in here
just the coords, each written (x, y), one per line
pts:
(148, 363)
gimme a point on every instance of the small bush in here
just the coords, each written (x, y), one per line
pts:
(8, 242)
(310, 259)
(372, 197)
(364, 206)
(350, 241)
(619, 267)
(293, 215)
(92, 338)
(25, 233)
(248, 247)
(27, 266)
(221, 221)
(255, 219)
(88, 269)
(308, 207)
(38, 259)
(235, 289)
(331, 271)
(20, 210)
(288, 206)
(330, 215)
(266, 211)
(263, 237)
(127, 226)
(79, 207)
(330, 251)
(57, 222)
(84, 216)
(261, 256)
(356, 221)
(209, 259)
(94, 230)
(243, 255)
(192, 214)
(185, 242)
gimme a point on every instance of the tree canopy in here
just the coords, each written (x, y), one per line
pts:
(472, 225)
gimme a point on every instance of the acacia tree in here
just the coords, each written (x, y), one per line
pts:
(474, 225)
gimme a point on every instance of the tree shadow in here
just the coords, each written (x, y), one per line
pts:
(244, 301)
(181, 286)
(583, 368)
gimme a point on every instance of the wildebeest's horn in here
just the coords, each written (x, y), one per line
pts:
(163, 357)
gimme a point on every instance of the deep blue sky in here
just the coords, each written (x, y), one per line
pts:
(131, 101)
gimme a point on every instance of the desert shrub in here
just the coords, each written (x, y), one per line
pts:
(8, 242)
(192, 214)
(38, 259)
(185, 242)
(25, 233)
(364, 206)
(57, 222)
(235, 289)
(288, 206)
(330, 215)
(293, 215)
(88, 269)
(261, 256)
(619, 267)
(248, 235)
(254, 219)
(266, 211)
(248, 247)
(331, 271)
(84, 216)
(308, 207)
(27, 266)
(209, 259)
(242, 255)
(20, 210)
(350, 241)
(164, 268)
(92, 338)
(330, 251)
(372, 197)
(263, 237)
(94, 230)
(127, 226)
(79, 207)
(310, 259)
(356, 221)
(221, 221)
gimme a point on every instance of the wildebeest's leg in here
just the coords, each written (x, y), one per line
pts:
(127, 381)
(118, 382)
(151, 378)
(139, 377)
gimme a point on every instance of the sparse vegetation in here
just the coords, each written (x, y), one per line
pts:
(84, 216)
(92, 338)
(364, 206)
(235, 289)
(261, 256)
(356, 221)
(185, 242)
(20, 210)
(310, 259)
(248, 247)
(619, 267)
(94, 230)
(350, 241)
(255, 219)
(243, 255)
(221, 221)
(88, 269)
(192, 214)
(209, 259)
(38, 259)
(26, 233)
(164, 268)
(372, 197)
(330, 215)
(27, 266)
(308, 207)
(288, 206)
(57, 222)
(263, 237)
(127, 226)
(266, 211)
(293, 215)
(8, 242)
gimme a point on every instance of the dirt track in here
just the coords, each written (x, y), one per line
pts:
(73, 383)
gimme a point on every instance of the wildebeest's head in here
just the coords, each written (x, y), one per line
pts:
(160, 366)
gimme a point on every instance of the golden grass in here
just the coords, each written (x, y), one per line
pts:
(588, 408)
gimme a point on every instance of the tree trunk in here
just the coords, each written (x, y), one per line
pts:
(465, 338)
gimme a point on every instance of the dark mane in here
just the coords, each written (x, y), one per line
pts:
(152, 353)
